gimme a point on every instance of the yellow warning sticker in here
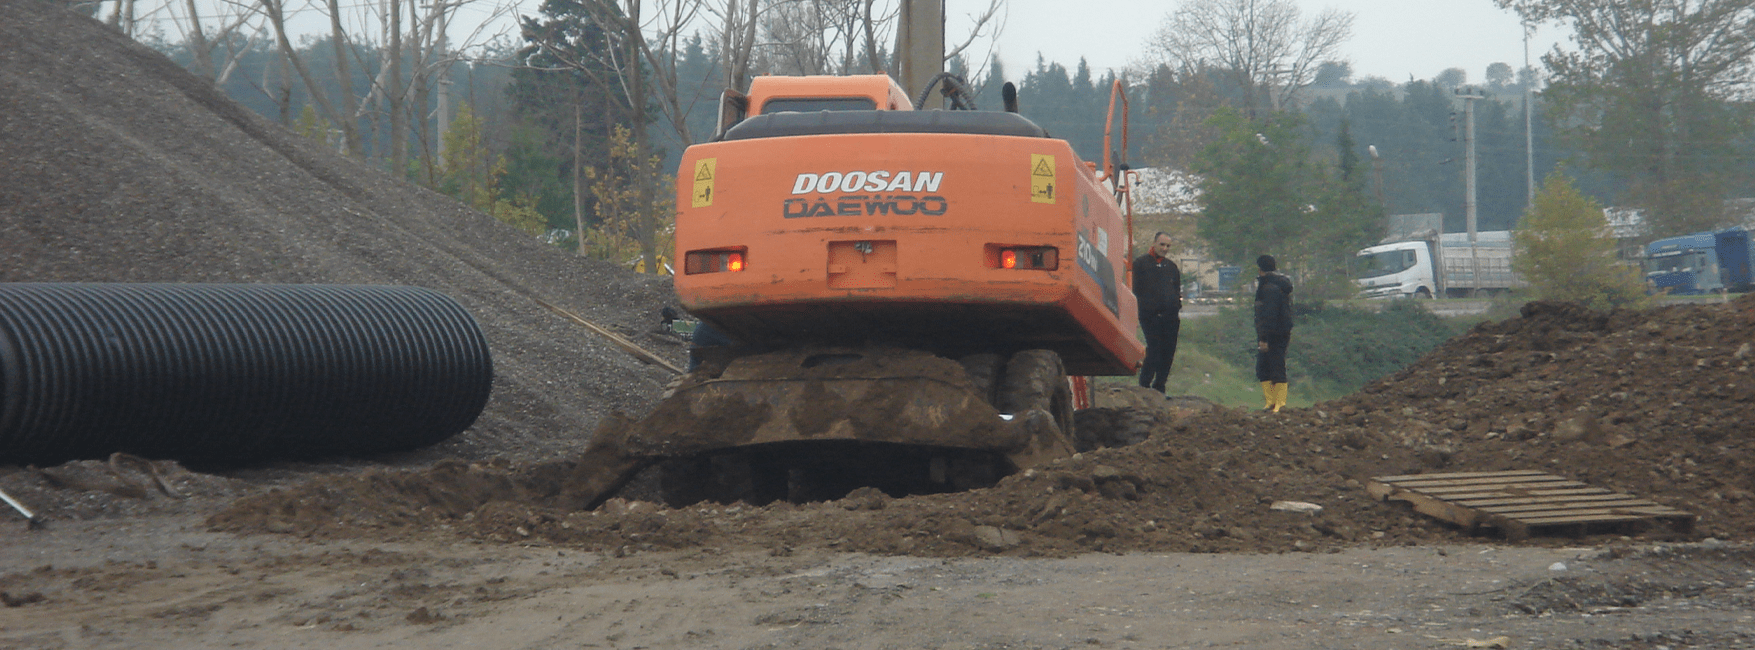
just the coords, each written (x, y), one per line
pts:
(704, 171)
(1041, 178)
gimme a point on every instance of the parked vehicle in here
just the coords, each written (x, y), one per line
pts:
(1407, 268)
(1704, 262)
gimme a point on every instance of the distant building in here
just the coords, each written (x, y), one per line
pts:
(1169, 200)
(1165, 191)
(1630, 230)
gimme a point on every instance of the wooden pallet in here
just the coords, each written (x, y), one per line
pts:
(1519, 503)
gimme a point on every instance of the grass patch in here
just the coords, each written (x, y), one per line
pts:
(1335, 351)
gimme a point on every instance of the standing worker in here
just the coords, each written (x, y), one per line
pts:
(1157, 284)
(1273, 331)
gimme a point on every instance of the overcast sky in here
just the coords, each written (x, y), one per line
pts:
(1391, 38)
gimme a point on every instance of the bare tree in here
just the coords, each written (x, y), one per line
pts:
(846, 36)
(1269, 52)
(232, 18)
(987, 23)
(423, 43)
(800, 36)
(123, 19)
(737, 40)
(414, 33)
(1655, 91)
(274, 10)
(350, 130)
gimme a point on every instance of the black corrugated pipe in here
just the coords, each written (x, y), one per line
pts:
(233, 373)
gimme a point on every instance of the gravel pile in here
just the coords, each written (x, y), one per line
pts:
(116, 165)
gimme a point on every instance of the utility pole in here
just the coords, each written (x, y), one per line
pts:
(1469, 95)
(1529, 145)
(1377, 174)
(920, 47)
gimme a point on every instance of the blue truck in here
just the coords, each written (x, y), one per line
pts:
(1704, 262)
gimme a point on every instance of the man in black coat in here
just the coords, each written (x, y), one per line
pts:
(1273, 331)
(1157, 284)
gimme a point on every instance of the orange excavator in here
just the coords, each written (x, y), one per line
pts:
(909, 290)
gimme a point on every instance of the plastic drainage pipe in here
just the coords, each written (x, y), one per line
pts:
(233, 373)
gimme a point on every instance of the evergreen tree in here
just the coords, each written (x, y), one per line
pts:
(564, 87)
(532, 176)
(1347, 218)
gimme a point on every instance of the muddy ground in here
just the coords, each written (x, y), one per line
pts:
(117, 166)
(1168, 543)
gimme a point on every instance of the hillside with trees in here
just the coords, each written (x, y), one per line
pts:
(542, 107)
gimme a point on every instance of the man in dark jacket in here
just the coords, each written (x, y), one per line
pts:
(1273, 331)
(1157, 284)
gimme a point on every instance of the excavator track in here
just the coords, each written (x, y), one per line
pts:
(815, 423)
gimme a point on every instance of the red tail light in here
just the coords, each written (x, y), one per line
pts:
(714, 261)
(1032, 258)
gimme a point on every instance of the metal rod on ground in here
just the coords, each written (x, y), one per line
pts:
(34, 521)
(617, 339)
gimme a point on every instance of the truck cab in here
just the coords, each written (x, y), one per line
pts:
(1397, 270)
(1694, 264)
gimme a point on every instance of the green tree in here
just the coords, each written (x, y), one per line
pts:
(1347, 218)
(535, 174)
(312, 126)
(472, 174)
(636, 221)
(1564, 248)
(1256, 193)
(1262, 190)
(565, 86)
(1648, 94)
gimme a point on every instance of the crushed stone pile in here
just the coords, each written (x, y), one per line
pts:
(116, 165)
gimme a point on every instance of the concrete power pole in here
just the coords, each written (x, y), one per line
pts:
(444, 100)
(1529, 141)
(1469, 95)
(920, 46)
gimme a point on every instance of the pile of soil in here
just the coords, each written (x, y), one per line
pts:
(122, 167)
(1647, 402)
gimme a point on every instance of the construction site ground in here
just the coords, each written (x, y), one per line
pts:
(117, 166)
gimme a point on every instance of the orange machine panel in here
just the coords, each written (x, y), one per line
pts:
(812, 227)
(883, 91)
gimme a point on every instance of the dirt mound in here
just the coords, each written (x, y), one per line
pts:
(116, 165)
(121, 167)
(1648, 402)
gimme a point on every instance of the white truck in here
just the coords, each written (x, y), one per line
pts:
(1405, 269)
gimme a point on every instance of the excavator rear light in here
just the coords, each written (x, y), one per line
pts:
(714, 261)
(1035, 258)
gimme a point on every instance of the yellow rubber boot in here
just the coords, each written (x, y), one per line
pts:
(1280, 396)
(1267, 393)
